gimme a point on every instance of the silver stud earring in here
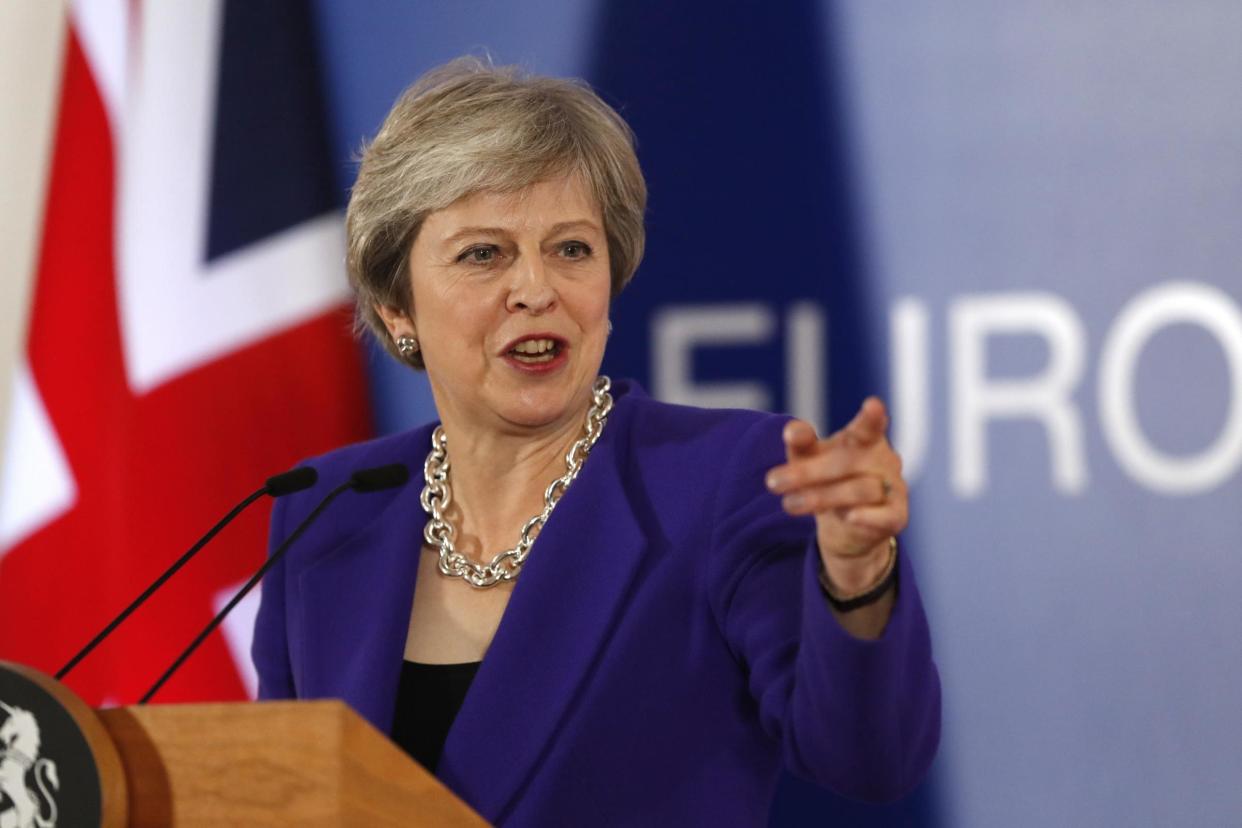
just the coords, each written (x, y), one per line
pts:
(610, 326)
(407, 346)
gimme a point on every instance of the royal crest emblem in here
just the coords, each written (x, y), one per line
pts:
(28, 782)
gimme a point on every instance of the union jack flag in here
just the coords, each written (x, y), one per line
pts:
(189, 336)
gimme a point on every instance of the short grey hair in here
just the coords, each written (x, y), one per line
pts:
(468, 127)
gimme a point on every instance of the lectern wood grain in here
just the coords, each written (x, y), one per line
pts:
(272, 764)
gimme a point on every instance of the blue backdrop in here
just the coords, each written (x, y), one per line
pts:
(1015, 221)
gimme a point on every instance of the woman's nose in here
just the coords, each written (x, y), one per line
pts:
(531, 290)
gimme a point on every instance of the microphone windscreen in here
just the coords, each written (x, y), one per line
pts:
(379, 478)
(294, 480)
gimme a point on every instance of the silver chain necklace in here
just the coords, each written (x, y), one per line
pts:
(437, 496)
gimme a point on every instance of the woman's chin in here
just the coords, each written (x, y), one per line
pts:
(534, 417)
(541, 408)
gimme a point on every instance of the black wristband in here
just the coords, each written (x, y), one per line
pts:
(867, 598)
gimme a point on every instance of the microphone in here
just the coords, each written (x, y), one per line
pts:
(294, 480)
(365, 480)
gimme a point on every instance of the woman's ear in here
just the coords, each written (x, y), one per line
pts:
(396, 320)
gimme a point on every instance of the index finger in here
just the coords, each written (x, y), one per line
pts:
(800, 439)
(870, 423)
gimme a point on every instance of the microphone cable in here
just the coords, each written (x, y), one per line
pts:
(294, 480)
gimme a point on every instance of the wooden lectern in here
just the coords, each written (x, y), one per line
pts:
(272, 763)
(303, 763)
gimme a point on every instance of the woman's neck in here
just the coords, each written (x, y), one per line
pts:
(498, 481)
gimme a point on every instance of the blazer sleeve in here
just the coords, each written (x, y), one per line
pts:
(270, 648)
(861, 717)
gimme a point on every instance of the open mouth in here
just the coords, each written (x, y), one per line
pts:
(536, 351)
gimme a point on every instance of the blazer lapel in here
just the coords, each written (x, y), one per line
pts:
(356, 601)
(571, 589)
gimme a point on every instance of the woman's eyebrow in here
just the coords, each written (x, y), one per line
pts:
(585, 224)
(466, 232)
(559, 227)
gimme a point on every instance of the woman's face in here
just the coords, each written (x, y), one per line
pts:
(510, 305)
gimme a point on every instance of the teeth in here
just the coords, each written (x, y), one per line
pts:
(532, 358)
(535, 350)
(534, 346)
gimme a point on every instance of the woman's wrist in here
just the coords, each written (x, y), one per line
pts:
(850, 583)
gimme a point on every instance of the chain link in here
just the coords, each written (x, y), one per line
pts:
(437, 495)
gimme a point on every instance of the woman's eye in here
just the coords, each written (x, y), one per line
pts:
(478, 255)
(575, 250)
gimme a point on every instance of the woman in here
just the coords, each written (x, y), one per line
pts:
(714, 594)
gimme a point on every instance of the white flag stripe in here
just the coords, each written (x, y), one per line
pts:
(238, 630)
(102, 27)
(177, 313)
(36, 484)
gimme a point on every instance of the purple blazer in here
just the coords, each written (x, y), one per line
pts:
(665, 652)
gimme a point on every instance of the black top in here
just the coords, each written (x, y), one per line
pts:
(428, 699)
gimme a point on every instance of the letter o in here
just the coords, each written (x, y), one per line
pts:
(1176, 302)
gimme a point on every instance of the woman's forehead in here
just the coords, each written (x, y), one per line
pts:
(545, 206)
